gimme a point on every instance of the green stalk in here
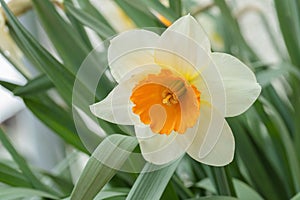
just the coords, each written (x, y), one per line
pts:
(223, 181)
(180, 186)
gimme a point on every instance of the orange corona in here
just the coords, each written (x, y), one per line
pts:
(166, 102)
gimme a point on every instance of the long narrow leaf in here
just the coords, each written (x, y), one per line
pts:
(36, 183)
(141, 18)
(56, 72)
(151, 184)
(34, 86)
(107, 159)
(64, 127)
(68, 44)
(17, 193)
(10, 176)
(261, 172)
(289, 20)
(86, 19)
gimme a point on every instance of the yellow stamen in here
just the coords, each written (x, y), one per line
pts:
(169, 97)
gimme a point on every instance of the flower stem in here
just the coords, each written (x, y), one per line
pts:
(186, 191)
(223, 181)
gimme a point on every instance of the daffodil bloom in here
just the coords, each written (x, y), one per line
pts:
(177, 93)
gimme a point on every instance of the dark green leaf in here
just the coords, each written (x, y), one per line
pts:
(89, 20)
(289, 20)
(8, 85)
(10, 176)
(265, 179)
(176, 6)
(34, 86)
(65, 39)
(222, 181)
(140, 16)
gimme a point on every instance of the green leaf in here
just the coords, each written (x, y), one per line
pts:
(112, 192)
(222, 181)
(265, 77)
(288, 148)
(65, 39)
(21, 193)
(61, 183)
(243, 191)
(106, 160)
(11, 176)
(9, 86)
(30, 176)
(289, 20)
(49, 113)
(296, 197)
(262, 173)
(87, 7)
(161, 9)
(169, 193)
(89, 20)
(135, 9)
(181, 189)
(215, 198)
(152, 181)
(56, 72)
(78, 27)
(176, 6)
(34, 86)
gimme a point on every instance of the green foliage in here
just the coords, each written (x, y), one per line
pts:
(267, 160)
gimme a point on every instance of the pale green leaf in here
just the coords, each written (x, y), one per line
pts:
(112, 192)
(152, 181)
(214, 198)
(114, 150)
(17, 193)
(243, 191)
(296, 197)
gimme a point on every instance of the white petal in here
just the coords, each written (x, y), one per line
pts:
(117, 107)
(210, 127)
(239, 81)
(211, 86)
(130, 50)
(222, 153)
(190, 60)
(156, 148)
(189, 27)
(181, 54)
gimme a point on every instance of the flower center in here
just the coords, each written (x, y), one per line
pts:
(169, 97)
(166, 102)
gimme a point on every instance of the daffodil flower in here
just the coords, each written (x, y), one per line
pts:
(177, 93)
